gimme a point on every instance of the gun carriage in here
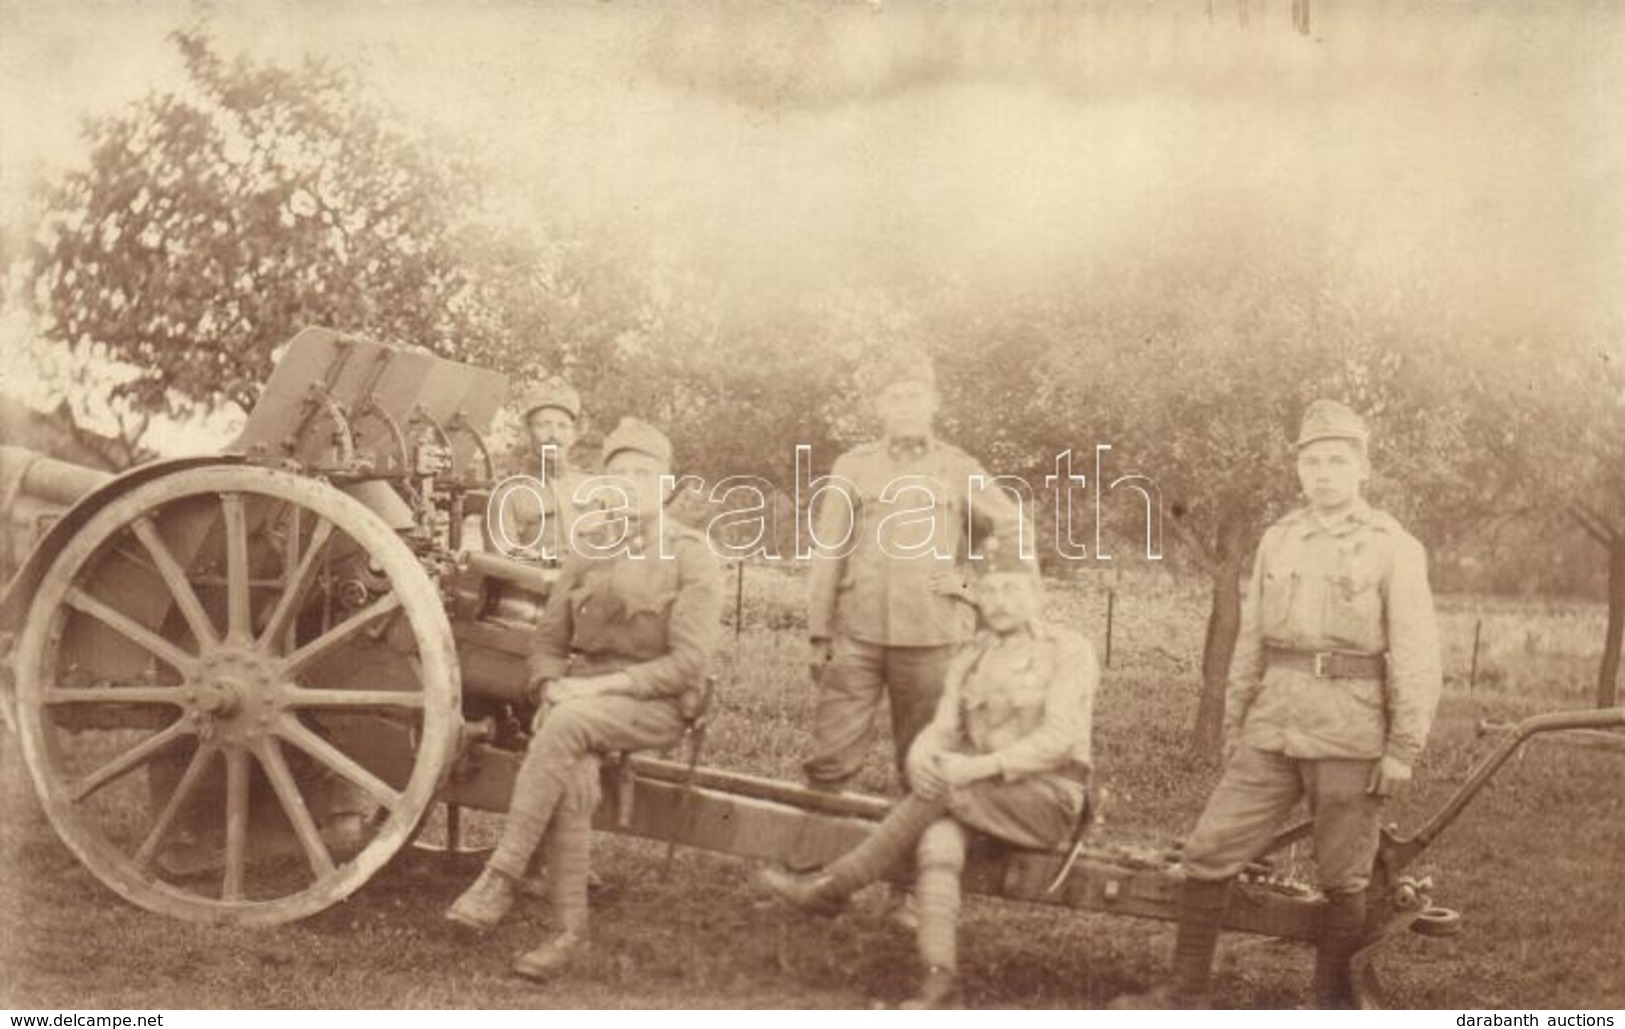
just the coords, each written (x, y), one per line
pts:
(282, 657)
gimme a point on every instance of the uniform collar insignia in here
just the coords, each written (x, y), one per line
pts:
(908, 446)
(1359, 513)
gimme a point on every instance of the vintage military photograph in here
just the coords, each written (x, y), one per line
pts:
(812, 504)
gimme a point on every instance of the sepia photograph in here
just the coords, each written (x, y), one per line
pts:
(812, 504)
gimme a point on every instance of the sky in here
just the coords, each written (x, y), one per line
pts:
(781, 148)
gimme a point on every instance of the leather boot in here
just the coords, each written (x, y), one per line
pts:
(815, 893)
(1342, 925)
(939, 992)
(484, 904)
(555, 955)
(1202, 906)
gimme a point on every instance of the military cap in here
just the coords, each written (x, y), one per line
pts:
(1327, 419)
(896, 366)
(639, 435)
(1002, 553)
(555, 392)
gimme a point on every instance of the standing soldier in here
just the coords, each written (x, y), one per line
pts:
(540, 501)
(628, 631)
(1332, 690)
(1007, 754)
(886, 614)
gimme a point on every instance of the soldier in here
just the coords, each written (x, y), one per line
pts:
(1332, 690)
(1007, 754)
(628, 630)
(535, 513)
(886, 616)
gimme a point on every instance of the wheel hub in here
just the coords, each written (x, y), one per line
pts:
(233, 694)
(216, 699)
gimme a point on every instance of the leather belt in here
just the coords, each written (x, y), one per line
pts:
(1328, 664)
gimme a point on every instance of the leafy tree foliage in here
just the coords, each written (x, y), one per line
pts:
(213, 222)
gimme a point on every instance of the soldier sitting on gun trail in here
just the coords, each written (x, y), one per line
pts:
(1007, 754)
(629, 628)
(1332, 691)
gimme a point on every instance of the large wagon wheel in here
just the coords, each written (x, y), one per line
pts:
(256, 643)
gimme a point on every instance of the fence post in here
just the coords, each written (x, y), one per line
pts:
(1472, 670)
(1111, 603)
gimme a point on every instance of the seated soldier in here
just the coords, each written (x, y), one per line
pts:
(1007, 755)
(630, 626)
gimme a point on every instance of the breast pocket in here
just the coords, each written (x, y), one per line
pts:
(1354, 611)
(593, 612)
(1275, 602)
(646, 587)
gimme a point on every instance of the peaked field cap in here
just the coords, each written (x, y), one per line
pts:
(1328, 419)
(1002, 553)
(636, 434)
(555, 392)
(902, 365)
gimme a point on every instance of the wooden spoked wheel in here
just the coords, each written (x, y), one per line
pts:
(237, 693)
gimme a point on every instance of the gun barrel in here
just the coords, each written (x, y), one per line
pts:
(25, 474)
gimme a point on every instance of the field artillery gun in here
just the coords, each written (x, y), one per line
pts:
(283, 657)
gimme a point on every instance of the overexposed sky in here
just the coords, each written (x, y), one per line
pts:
(799, 135)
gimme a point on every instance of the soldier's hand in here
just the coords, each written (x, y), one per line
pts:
(925, 778)
(603, 685)
(922, 762)
(819, 653)
(1388, 777)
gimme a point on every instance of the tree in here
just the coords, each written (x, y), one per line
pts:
(1579, 403)
(211, 223)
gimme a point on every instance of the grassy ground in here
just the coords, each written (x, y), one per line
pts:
(1531, 865)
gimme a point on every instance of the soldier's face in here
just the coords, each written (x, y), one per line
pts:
(1330, 472)
(906, 408)
(640, 475)
(549, 426)
(1008, 600)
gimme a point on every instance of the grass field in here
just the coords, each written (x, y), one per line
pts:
(1532, 865)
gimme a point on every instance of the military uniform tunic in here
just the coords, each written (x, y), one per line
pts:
(539, 511)
(1027, 699)
(1356, 585)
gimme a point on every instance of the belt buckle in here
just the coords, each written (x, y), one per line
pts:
(1320, 664)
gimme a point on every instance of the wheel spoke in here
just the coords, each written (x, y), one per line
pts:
(293, 594)
(236, 822)
(293, 803)
(130, 629)
(172, 807)
(237, 612)
(339, 633)
(300, 697)
(336, 760)
(128, 761)
(175, 578)
(115, 695)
